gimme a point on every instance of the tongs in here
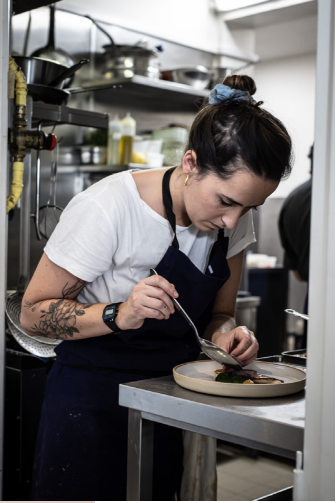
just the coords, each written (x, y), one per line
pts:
(209, 348)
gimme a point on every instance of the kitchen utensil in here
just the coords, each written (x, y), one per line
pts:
(47, 94)
(50, 51)
(98, 155)
(198, 76)
(51, 213)
(46, 72)
(61, 79)
(295, 313)
(209, 348)
(129, 60)
(68, 156)
(200, 376)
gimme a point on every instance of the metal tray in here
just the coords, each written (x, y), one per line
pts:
(296, 356)
(298, 362)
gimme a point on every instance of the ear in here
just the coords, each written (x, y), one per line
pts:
(189, 164)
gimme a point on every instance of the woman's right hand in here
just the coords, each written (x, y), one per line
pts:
(150, 298)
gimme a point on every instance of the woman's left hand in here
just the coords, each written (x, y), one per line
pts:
(239, 342)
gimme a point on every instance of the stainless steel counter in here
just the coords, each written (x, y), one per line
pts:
(273, 425)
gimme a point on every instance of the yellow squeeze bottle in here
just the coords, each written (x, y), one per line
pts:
(128, 127)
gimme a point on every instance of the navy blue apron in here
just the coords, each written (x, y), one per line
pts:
(81, 451)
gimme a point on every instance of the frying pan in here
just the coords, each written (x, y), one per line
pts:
(46, 72)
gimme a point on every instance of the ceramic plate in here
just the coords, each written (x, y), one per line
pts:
(200, 376)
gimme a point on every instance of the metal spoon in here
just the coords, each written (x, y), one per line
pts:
(291, 311)
(209, 348)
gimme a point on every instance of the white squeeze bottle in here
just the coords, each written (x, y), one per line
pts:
(128, 127)
(113, 140)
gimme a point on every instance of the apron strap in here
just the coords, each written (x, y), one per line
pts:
(220, 237)
(168, 204)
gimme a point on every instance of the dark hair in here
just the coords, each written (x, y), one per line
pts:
(238, 134)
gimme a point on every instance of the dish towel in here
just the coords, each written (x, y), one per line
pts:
(199, 480)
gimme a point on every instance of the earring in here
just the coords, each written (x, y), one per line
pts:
(186, 180)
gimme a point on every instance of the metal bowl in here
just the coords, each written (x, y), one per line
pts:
(198, 76)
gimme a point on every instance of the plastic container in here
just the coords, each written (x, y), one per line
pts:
(155, 160)
(128, 128)
(113, 141)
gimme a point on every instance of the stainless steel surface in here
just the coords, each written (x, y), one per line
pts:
(62, 79)
(40, 346)
(69, 156)
(246, 312)
(209, 348)
(56, 114)
(131, 60)
(40, 70)
(25, 210)
(198, 77)
(140, 92)
(295, 313)
(99, 155)
(273, 425)
(140, 457)
(38, 179)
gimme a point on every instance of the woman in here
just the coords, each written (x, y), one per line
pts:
(92, 289)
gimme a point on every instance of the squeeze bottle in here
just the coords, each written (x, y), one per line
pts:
(113, 140)
(128, 127)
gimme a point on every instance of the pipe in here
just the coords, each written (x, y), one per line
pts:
(21, 139)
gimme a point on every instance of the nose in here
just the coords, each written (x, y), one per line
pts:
(230, 219)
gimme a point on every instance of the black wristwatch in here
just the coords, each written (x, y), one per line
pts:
(109, 315)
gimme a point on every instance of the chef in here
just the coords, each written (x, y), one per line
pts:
(93, 291)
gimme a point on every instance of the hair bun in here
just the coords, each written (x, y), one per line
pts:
(241, 82)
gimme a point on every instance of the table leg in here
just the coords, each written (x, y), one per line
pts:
(139, 457)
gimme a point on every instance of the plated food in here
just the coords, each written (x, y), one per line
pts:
(200, 376)
(244, 376)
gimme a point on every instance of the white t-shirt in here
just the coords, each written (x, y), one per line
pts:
(109, 237)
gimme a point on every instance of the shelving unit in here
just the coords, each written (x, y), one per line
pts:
(60, 114)
(139, 92)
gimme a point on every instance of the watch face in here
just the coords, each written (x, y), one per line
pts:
(109, 311)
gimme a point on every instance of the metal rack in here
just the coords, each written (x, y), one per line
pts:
(60, 114)
(139, 91)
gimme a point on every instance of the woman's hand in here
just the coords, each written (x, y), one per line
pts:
(150, 298)
(239, 342)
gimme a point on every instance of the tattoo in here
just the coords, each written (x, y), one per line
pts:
(31, 306)
(58, 322)
(77, 287)
(60, 319)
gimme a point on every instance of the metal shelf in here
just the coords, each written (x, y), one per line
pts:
(20, 6)
(60, 114)
(139, 92)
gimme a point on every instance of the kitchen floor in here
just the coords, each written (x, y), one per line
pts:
(246, 475)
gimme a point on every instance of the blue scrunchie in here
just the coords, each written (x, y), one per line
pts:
(222, 93)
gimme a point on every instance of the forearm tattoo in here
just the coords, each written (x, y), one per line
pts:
(58, 319)
(77, 287)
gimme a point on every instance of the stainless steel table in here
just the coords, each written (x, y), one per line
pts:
(274, 425)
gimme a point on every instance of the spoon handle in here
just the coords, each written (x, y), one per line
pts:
(295, 313)
(182, 311)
